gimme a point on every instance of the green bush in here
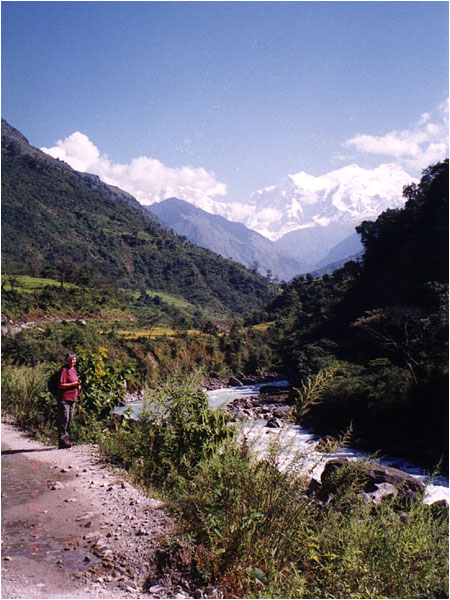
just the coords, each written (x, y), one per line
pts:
(377, 395)
(176, 431)
(103, 382)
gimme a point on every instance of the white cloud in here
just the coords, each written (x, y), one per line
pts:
(147, 179)
(416, 148)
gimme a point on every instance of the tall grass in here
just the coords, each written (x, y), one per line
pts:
(261, 536)
(25, 397)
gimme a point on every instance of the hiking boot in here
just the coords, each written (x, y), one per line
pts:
(65, 443)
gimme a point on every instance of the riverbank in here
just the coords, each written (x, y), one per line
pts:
(275, 404)
(216, 383)
(74, 527)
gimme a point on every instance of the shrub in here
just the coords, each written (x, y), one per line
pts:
(377, 396)
(103, 383)
(176, 431)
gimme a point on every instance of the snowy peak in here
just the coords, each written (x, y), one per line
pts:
(348, 195)
(338, 201)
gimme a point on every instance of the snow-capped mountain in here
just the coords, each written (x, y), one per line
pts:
(348, 195)
(308, 215)
(345, 196)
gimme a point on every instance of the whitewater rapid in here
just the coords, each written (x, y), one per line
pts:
(297, 444)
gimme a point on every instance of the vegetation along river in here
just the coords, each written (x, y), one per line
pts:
(297, 444)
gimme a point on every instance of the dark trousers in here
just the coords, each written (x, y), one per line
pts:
(65, 416)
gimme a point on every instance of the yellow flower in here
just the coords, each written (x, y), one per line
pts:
(103, 352)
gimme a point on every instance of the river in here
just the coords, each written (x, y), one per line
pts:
(297, 444)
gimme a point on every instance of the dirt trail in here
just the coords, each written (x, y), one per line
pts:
(72, 527)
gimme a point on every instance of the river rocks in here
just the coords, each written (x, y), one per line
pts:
(273, 422)
(215, 383)
(378, 481)
(407, 485)
(274, 408)
(273, 390)
(382, 491)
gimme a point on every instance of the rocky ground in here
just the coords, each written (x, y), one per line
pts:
(73, 527)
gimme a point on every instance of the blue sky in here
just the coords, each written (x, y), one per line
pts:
(228, 97)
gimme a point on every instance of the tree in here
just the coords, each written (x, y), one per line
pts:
(33, 260)
(66, 268)
(398, 329)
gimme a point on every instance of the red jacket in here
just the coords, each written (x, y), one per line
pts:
(68, 376)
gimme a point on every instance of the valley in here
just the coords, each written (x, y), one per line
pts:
(148, 312)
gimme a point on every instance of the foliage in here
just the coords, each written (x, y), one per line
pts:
(67, 302)
(402, 246)
(25, 396)
(260, 536)
(310, 391)
(103, 383)
(383, 320)
(176, 431)
(46, 343)
(402, 331)
(366, 394)
(382, 405)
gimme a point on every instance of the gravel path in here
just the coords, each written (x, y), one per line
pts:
(73, 527)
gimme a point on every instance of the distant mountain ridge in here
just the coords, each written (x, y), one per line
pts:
(229, 239)
(309, 216)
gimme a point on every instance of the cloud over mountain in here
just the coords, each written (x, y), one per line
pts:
(416, 148)
(147, 179)
(346, 195)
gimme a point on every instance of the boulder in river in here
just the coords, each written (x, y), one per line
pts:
(402, 485)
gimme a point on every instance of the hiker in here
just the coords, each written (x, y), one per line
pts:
(68, 390)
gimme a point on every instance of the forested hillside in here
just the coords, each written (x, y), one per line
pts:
(373, 336)
(56, 218)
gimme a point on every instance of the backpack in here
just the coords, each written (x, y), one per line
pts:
(53, 382)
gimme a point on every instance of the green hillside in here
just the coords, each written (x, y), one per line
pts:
(372, 338)
(54, 217)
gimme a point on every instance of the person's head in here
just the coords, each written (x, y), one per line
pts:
(71, 359)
